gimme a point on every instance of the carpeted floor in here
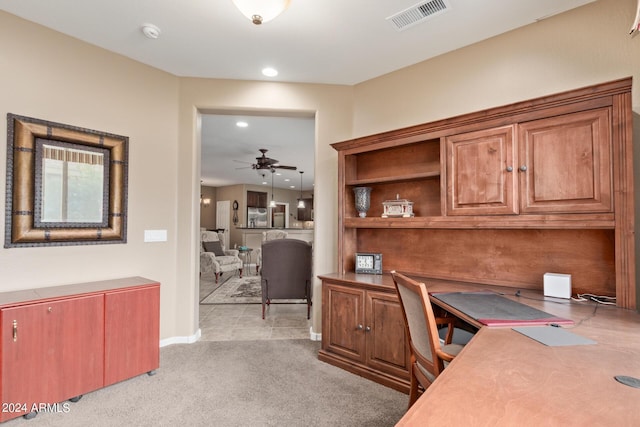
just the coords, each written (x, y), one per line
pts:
(239, 383)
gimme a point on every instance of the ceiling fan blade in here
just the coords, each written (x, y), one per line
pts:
(285, 167)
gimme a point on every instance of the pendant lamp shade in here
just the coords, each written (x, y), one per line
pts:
(300, 200)
(259, 11)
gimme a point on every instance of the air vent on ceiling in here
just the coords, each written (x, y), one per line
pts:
(418, 13)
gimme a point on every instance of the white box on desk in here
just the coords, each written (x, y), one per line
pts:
(557, 285)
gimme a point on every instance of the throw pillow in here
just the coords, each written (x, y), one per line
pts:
(215, 247)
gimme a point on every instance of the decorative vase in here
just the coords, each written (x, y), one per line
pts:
(363, 200)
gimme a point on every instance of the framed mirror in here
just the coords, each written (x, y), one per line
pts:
(65, 185)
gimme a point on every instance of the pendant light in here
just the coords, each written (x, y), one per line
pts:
(300, 200)
(272, 203)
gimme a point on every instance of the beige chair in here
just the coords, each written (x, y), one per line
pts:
(286, 273)
(214, 257)
(428, 356)
(266, 237)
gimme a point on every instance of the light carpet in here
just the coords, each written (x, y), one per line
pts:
(236, 384)
(236, 290)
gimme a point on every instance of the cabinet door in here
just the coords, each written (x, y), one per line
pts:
(480, 173)
(343, 321)
(132, 337)
(52, 351)
(387, 347)
(568, 163)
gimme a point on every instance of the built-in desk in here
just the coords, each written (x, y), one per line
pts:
(503, 378)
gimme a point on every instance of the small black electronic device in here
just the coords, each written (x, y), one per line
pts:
(369, 263)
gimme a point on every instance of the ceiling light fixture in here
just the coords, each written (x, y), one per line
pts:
(151, 31)
(272, 203)
(269, 72)
(242, 124)
(259, 11)
(301, 200)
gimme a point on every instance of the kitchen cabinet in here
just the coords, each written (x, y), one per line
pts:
(62, 342)
(306, 213)
(364, 332)
(256, 199)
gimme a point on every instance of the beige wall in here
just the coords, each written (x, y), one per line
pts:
(208, 213)
(47, 75)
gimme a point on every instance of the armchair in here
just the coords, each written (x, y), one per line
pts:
(214, 257)
(286, 272)
(266, 237)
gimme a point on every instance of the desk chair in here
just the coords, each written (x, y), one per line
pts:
(428, 356)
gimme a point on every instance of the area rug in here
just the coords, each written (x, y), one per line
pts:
(237, 290)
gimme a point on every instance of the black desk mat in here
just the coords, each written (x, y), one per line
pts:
(492, 309)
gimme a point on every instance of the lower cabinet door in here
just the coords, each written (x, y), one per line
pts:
(51, 352)
(132, 342)
(344, 318)
(387, 345)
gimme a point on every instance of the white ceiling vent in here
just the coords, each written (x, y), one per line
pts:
(418, 13)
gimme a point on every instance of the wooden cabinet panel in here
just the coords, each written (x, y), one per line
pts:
(62, 342)
(51, 351)
(386, 344)
(344, 313)
(363, 331)
(481, 178)
(256, 199)
(568, 163)
(131, 333)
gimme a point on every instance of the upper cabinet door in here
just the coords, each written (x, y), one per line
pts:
(481, 173)
(567, 162)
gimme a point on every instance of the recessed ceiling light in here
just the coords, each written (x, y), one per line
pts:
(269, 72)
(287, 180)
(151, 31)
(242, 124)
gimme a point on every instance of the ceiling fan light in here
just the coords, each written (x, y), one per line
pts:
(260, 11)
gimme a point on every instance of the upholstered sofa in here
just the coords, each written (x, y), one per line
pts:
(214, 258)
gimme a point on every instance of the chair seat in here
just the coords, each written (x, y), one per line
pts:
(452, 349)
(227, 260)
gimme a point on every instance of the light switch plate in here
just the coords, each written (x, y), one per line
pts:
(155, 235)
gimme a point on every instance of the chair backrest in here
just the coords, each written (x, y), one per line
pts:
(286, 269)
(273, 234)
(420, 321)
(211, 236)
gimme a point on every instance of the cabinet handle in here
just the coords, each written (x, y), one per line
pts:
(359, 327)
(15, 330)
(509, 169)
(368, 329)
(523, 168)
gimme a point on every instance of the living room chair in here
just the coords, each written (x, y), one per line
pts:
(286, 271)
(214, 257)
(428, 356)
(266, 237)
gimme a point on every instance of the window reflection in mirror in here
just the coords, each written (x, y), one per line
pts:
(73, 181)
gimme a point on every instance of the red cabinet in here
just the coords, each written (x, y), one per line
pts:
(60, 343)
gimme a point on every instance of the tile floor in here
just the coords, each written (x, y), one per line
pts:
(237, 322)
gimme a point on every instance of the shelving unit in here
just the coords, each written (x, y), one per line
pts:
(482, 215)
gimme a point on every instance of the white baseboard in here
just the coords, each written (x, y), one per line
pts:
(314, 336)
(181, 340)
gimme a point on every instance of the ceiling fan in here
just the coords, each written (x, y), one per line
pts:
(263, 162)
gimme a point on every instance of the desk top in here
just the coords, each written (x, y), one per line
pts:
(503, 378)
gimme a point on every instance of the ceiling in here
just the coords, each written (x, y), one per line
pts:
(341, 42)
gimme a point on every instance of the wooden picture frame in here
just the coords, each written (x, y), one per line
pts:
(25, 187)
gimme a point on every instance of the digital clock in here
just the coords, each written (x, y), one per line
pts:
(369, 263)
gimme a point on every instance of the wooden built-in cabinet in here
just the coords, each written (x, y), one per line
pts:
(364, 324)
(256, 199)
(62, 342)
(500, 197)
